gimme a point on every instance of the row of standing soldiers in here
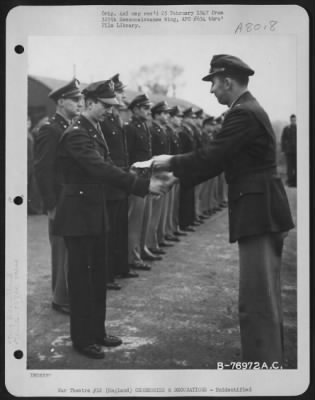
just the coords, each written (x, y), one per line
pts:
(140, 228)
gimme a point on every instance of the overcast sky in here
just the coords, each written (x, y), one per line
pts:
(98, 57)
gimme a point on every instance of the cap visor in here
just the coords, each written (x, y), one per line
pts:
(208, 77)
(111, 101)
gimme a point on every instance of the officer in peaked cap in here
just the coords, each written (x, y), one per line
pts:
(186, 194)
(174, 124)
(69, 102)
(117, 200)
(227, 65)
(139, 144)
(196, 125)
(160, 145)
(82, 217)
(259, 212)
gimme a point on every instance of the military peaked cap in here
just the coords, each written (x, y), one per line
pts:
(140, 101)
(160, 107)
(175, 111)
(102, 91)
(119, 86)
(188, 112)
(226, 64)
(70, 90)
(199, 113)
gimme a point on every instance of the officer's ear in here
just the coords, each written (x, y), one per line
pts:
(228, 82)
(60, 102)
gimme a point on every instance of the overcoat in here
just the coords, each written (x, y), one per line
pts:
(246, 151)
(85, 167)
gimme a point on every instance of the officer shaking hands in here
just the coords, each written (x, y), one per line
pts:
(259, 214)
(82, 219)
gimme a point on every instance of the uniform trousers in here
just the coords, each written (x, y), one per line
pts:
(260, 310)
(222, 189)
(136, 206)
(87, 288)
(157, 204)
(162, 223)
(175, 215)
(205, 196)
(169, 227)
(117, 238)
(186, 206)
(146, 223)
(59, 267)
(213, 202)
(198, 189)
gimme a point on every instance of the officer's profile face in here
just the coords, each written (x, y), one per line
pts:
(176, 120)
(208, 128)
(219, 88)
(162, 117)
(72, 106)
(121, 96)
(142, 112)
(97, 110)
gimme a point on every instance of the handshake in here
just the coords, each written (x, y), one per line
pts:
(161, 180)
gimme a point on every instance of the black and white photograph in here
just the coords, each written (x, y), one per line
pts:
(160, 201)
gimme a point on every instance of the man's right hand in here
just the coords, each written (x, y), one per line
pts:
(162, 183)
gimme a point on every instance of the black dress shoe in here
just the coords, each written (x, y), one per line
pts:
(91, 350)
(164, 244)
(62, 309)
(189, 229)
(157, 251)
(113, 286)
(150, 257)
(140, 267)
(178, 233)
(171, 238)
(195, 223)
(129, 275)
(110, 341)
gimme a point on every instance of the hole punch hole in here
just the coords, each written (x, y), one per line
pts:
(19, 49)
(18, 354)
(18, 200)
